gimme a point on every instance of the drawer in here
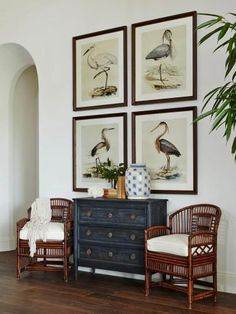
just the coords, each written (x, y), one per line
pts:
(105, 215)
(117, 235)
(111, 254)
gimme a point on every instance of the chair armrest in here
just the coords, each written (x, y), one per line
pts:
(202, 237)
(202, 242)
(68, 224)
(156, 231)
(20, 223)
(68, 227)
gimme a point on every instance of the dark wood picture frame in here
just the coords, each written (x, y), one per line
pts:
(100, 69)
(107, 129)
(164, 59)
(172, 160)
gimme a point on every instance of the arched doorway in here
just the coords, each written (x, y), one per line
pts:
(18, 138)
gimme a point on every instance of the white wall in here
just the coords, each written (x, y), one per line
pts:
(25, 143)
(45, 28)
(13, 61)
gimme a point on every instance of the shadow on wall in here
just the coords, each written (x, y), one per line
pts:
(222, 249)
(18, 137)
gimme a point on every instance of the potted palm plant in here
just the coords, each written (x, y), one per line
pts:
(220, 103)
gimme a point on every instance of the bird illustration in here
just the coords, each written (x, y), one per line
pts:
(164, 146)
(162, 51)
(100, 62)
(103, 145)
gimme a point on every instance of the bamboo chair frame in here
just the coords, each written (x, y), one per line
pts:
(201, 223)
(53, 255)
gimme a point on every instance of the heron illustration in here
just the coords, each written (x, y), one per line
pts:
(162, 51)
(103, 145)
(164, 146)
(100, 62)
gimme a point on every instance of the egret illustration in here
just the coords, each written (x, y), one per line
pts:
(164, 146)
(101, 63)
(162, 51)
(103, 145)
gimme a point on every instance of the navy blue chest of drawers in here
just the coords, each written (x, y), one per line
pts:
(109, 233)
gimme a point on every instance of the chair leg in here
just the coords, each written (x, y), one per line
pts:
(17, 264)
(190, 293)
(147, 282)
(171, 278)
(17, 256)
(44, 259)
(65, 263)
(215, 284)
(65, 270)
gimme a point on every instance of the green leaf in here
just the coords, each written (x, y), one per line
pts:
(233, 26)
(209, 23)
(212, 93)
(223, 89)
(219, 119)
(230, 62)
(225, 104)
(229, 125)
(222, 45)
(224, 31)
(210, 14)
(207, 101)
(207, 36)
(204, 115)
(231, 43)
(233, 149)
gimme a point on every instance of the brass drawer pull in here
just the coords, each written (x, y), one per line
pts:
(132, 216)
(109, 215)
(89, 213)
(110, 235)
(132, 237)
(132, 256)
(88, 252)
(88, 233)
(110, 254)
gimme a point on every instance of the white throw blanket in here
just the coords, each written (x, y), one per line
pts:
(41, 214)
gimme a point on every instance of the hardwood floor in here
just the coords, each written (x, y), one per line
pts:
(94, 294)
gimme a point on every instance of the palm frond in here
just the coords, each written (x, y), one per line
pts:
(222, 99)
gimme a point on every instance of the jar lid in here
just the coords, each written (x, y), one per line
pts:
(138, 165)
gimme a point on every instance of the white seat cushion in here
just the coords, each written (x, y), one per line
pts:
(55, 231)
(174, 244)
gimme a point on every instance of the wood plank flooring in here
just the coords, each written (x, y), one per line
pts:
(93, 294)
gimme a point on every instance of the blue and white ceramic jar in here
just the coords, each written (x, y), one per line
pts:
(137, 182)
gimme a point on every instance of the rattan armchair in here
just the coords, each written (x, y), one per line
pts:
(185, 252)
(52, 255)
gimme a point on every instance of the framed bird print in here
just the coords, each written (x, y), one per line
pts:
(164, 59)
(97, 139)
(166, 141)
(100, 69)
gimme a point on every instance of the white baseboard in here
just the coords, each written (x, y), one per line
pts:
(7, 244)
(227, 282)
